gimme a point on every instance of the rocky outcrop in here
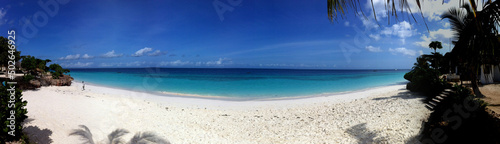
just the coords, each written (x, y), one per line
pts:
(64, 80)
(35, 83)
(46, 80)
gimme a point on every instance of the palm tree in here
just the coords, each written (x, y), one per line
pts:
(435, 45)
(435, 57)
(339, 8)
(476, 37)
(115, 137)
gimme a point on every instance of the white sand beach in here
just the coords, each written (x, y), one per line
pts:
(387, 114)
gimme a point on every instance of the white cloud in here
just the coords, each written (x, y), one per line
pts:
(442, 35)
(111, 54)
(77, 64)
(420, 52)
(379, 7)
(175, 63)
(76, 56)
(433, 9)
(346, 23)
(403, 51)
(369, 23)
(157, 53)
(70, 57)
(106, 65)
(402, 29)
(136, 63)
(375, 36)
(2, 14)
(373, 49)
(221, 61)
(446, 24)
(148, 51)
(141, 52)
(86, 56)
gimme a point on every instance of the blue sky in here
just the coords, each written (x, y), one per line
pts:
(220, 33)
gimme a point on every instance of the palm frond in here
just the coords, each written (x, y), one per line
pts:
(84, 134)
(456, 17)
(339, 8)
(114, 137)
(147, 137)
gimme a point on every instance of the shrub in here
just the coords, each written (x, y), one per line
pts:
(460, 118)
(28, 77)
(31, 64)
(57, 70)
(424, 79)
(19, 107)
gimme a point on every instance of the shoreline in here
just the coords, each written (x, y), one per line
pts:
(380, 115)
(221, 102)
(237, 98)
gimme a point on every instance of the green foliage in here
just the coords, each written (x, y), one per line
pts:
(28, 77)
(57, 70)
(435, 45)
(461, 118)
(4, 51)
(438, 62)
(424, 79)
(31, 64)
(17, 105)
(476, 37)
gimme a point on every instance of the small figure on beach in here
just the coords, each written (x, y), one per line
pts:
(83, 86)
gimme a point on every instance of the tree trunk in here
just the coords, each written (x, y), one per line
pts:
(6, 72)
(474, 84)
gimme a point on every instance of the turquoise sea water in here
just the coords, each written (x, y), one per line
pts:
(239, 83)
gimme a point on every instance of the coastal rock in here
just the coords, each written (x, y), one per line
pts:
(64, 80)
(45, 80)
(48, 80)
(35, 83)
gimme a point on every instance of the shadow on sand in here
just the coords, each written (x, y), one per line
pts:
(115, 137)
(37, 135)
(364, 135)
(402, 95)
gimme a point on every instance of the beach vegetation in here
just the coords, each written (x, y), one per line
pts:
(423, 78)
(5, 52)
(476, 38)
(460, 118)
(34, 65)
(28, 77)
(438, 62)
(435, 45)
(42, 75)
(12, 114)
(115, 137)
(57, 70)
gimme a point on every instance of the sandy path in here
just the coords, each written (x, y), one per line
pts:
(492, 96)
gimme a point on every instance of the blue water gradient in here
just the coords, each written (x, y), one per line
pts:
(239, 83)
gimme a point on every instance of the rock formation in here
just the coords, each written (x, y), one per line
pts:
(47, 80)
